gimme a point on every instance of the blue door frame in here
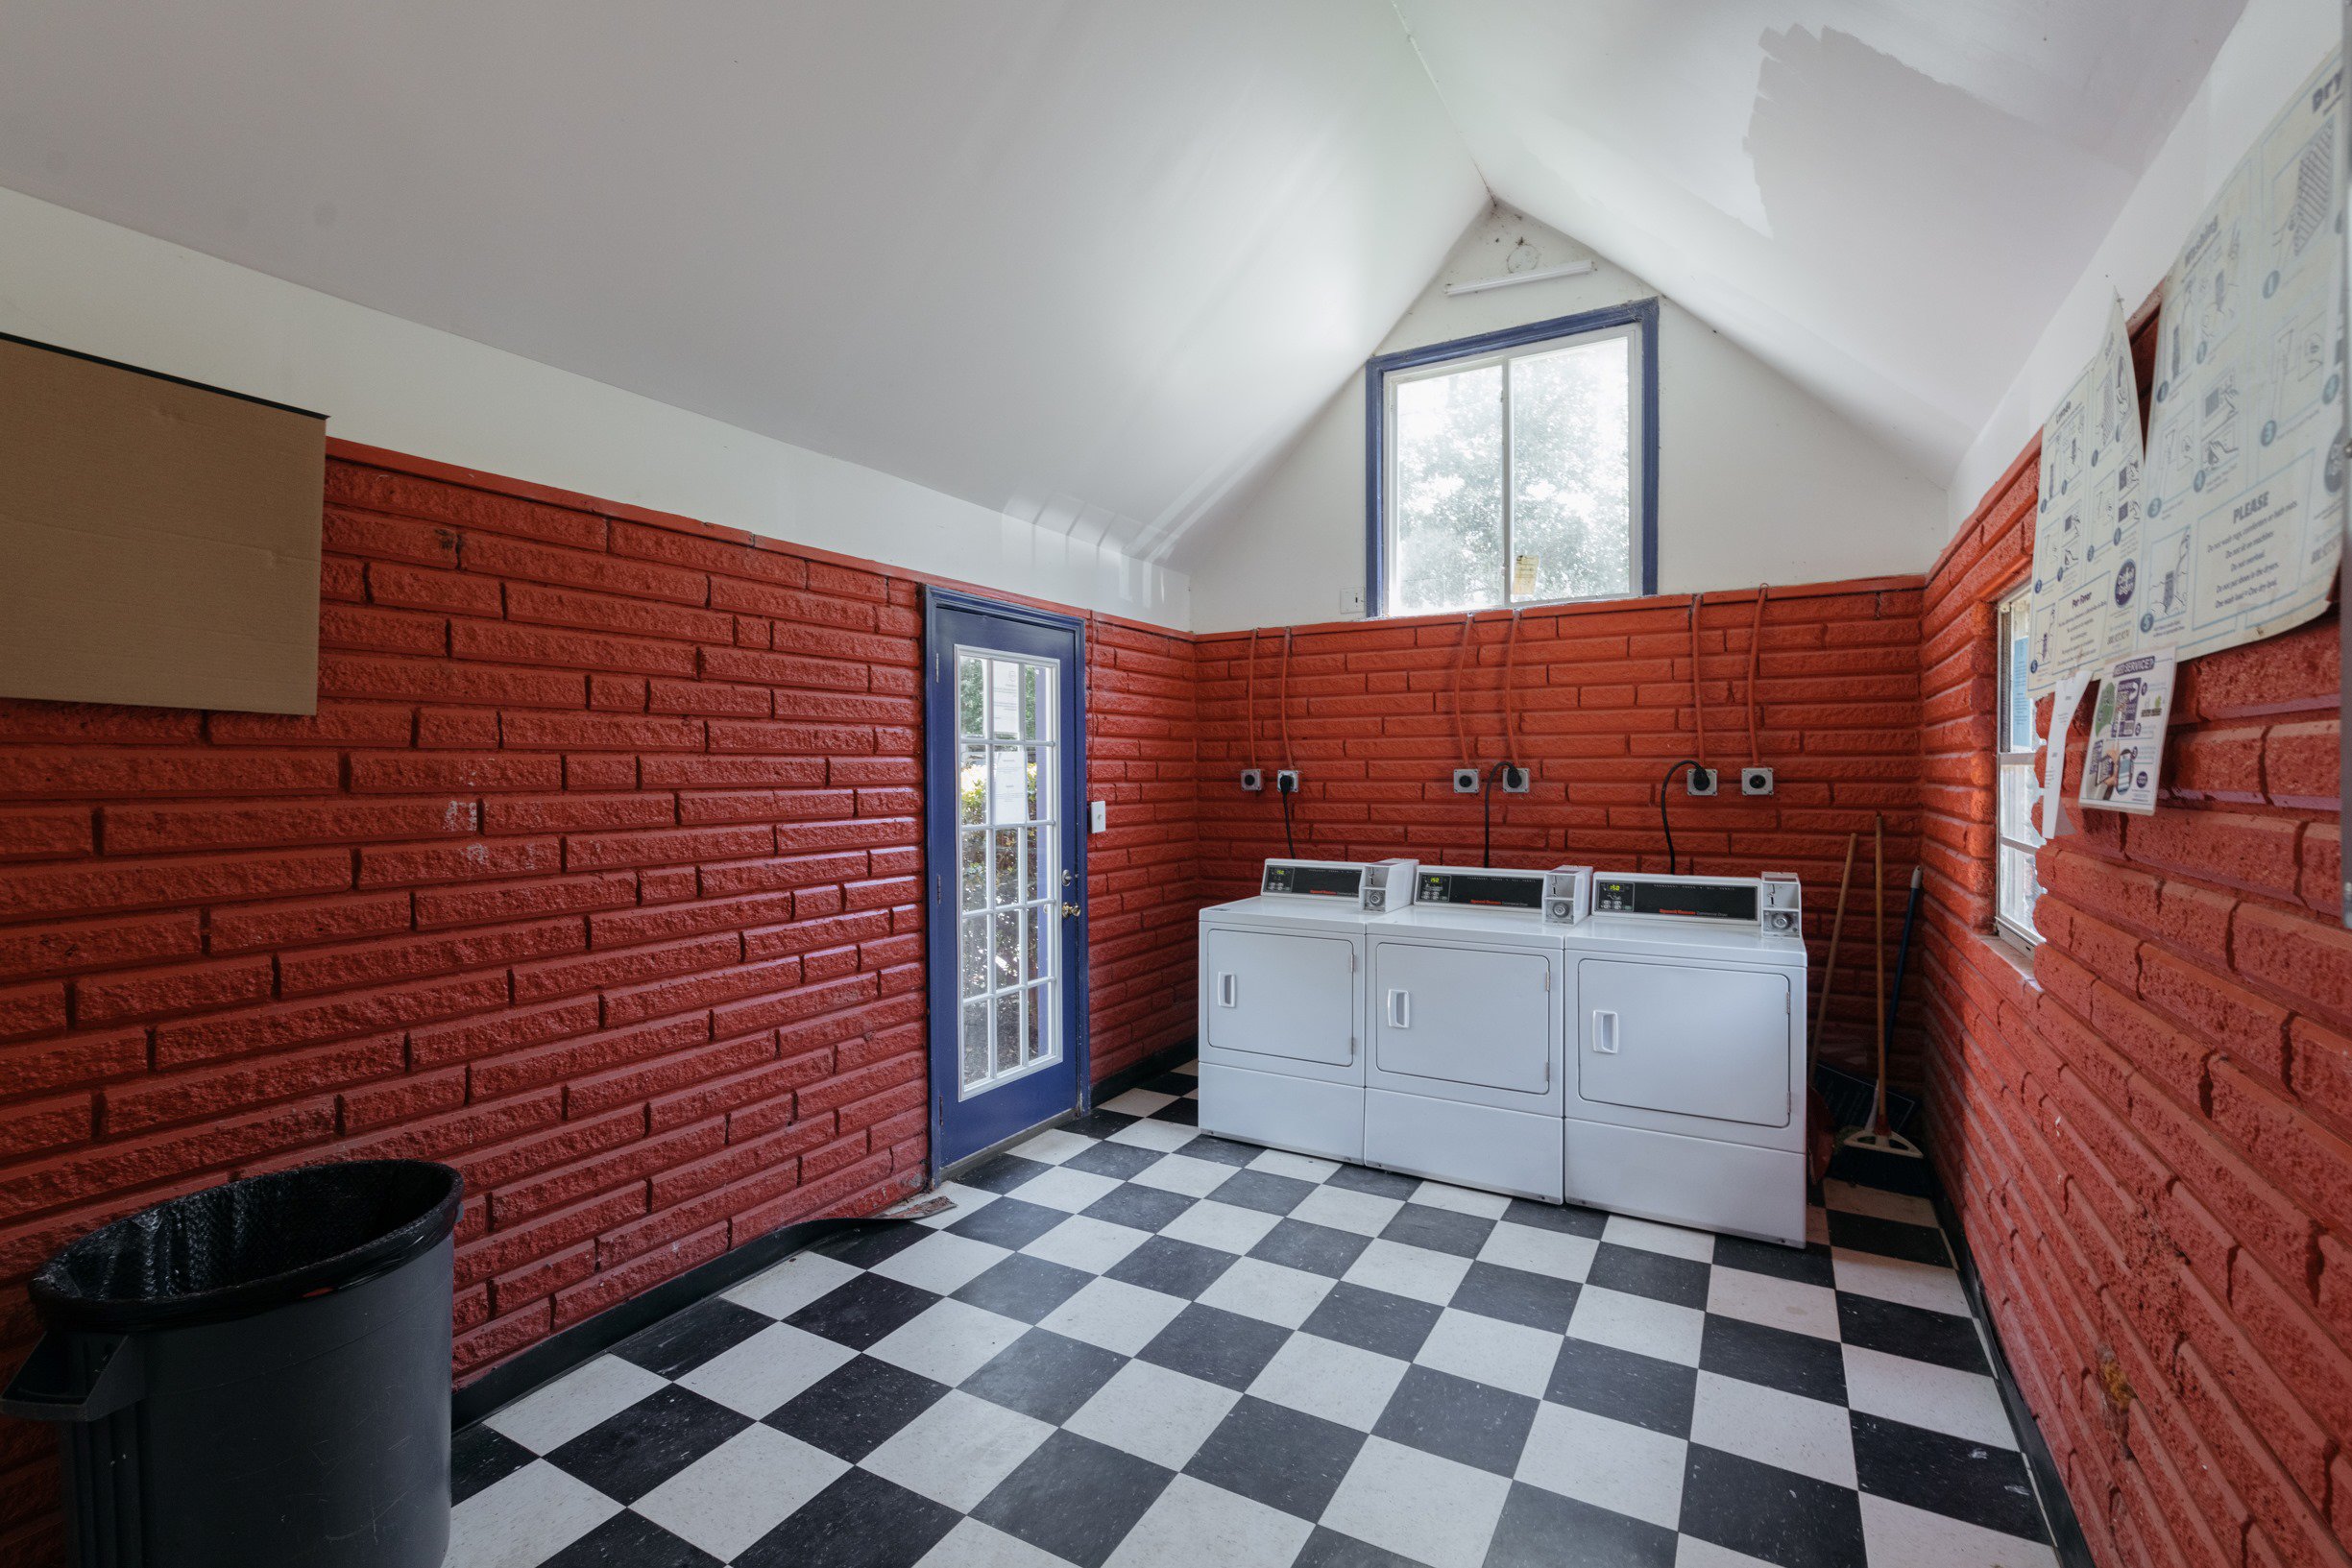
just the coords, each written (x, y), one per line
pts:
(960, 1127)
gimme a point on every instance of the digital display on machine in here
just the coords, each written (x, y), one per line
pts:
(1317, 882)
(1481, 892)
(1703, 901)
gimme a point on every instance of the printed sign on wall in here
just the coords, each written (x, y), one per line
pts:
(2086, 537)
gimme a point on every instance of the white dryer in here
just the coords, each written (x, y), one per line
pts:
(1281, 1031)
(1686, 1101)
(1464, 1081)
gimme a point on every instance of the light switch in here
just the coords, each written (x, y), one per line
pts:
(1101, 815)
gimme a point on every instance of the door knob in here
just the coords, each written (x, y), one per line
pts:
(1071, 910)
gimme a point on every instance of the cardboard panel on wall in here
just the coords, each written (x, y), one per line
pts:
(158, 539)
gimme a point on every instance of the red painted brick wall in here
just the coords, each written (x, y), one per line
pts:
(597, 875)
(1602, 699)
(2147, 1127)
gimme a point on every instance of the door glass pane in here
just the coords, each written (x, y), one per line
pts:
(1037, 1042)
(971, 773)
(1571, 467)
(1004, 963)
(1008, 865)
(974, 872)
(1032, 718)
(1041, 920)
(1007, 786)
(1448, 505)
(974, 1042)
(1003, 698)
(1007, 875)
(1028, 765)
(972, 961)
(1008, 1031)
(971, 694)
(1035, 870)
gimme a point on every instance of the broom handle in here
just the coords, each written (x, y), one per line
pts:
(1829, 974)
(1877, 944)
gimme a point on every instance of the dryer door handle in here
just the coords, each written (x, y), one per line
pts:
(1604, 1032)
(1227, 989)
(1400, 1010)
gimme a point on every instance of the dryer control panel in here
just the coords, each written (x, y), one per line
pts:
(1468, 887)
(1770, 903)
(1376, 885)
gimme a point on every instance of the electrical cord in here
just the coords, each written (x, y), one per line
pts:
(1756, 649)
(1284, 788)
(1698, 698)
(1485, 814)
(1664, 790)
(1250, 702)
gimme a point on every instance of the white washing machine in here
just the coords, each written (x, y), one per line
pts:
(1281, 1032)
(1686, 1098)
(1464, 1081)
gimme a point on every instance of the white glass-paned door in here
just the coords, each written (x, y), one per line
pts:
(1009, 870)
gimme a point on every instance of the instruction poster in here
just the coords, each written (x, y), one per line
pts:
(2244, 491)
(2135, 700)
(2086, 538)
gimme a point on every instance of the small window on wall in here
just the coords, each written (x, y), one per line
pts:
(2015, 883)
(1515, 469)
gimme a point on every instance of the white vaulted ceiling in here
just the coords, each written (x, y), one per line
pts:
(1090, 263)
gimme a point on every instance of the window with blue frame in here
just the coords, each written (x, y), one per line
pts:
(1515, 467)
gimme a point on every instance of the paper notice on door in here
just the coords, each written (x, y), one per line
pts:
(2124, 764)
(2063, 705)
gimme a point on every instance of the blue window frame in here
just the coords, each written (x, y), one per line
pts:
(1549, 541)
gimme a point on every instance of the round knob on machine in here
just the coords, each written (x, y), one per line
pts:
(1560, 908)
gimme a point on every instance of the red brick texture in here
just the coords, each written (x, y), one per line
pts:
(2147, 1128)
(1602, 698)
(597, 875)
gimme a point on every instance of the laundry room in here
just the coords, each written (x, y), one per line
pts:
(1469, 785)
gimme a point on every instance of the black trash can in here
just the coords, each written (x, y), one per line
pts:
(256, 1375)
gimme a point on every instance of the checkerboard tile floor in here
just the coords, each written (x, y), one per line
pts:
(1130, 1343)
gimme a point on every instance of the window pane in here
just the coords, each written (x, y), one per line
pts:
(2017, 792)
(2018, 888)
(2017, 709)
(1448, 505)
(1571, 467)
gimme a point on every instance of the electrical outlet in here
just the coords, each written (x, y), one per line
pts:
(1351, 601)
(1514, 779)
(1466, 780)
(1253, 778)
(1700, 780)
(1756, 780)
(1098, 814)
(1286, 781)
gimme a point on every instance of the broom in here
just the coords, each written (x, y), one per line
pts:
(1880, 1138)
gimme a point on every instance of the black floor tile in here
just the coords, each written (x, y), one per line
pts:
(1138, 1208)
(1221, 1150)
(629, 1454)
(1314, 1249)
(1122, 1162)
(1639, 1271)
(480, 1457)
(630, 1540)
(1639, 1390)
(1797, 1363)
(856, 1407)
(1440, 1230)
(1185, 1113)
(1045, 1375)
(1101, 1124)
(1075, 1498)
(1770, 1514)
(1803, 1265)
(1215, 1346)
(1002, 1173)
(1569, 1219)
(1009, 1222)
(1282, 1458)
(1263, 1191)
(860, 1521)
(1543, 1530)
(685, 1340)
(1022, 1287)
(1955, 1477)
(864, 1311)
(1517, 1296)
(1390, 1325)
(1911, 1331)
(1171, 1268)
(1471, 1423)
(1178, 1084)
(870, 1244)
(1888, 1237)
(1357, 1178)
(1329, 1549)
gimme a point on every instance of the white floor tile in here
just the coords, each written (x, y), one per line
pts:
(1195, 1523)
(1900, 1280)
(791, 1285)
(1054, 1145)
(1064, 1189)
(965, 1200)
(1775, 1303)
(1418, 1504)
(1551, 1252)
(1282, 1161)
(550, 1416)
(1906, 1207)
(1639, 1324)
(1164, 1136)
(1626, 1469)
(1940, 1398)
(740, 1490)
(1408, 1271)
(1091, 1245)
(1225, 1226)
(1191, 1069)
(1771, 1426)
(1439, 1195)
(1366, 1214)
(947, 1341)
(1182, 1173)
(1487, 1350)
(1153, 1413)
(1138, 1103)
(972, 1544)
(1337, 1382)
(942, 1262)
(522, 1520)
(957, 1451)
(757, 1376)
(1114, 1314)
(1268, 1292)
(1652, 1237)
(1690, 1551)
(1895, 1532)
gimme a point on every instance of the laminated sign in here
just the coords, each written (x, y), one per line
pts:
(2086, 537)
(2135, 698)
